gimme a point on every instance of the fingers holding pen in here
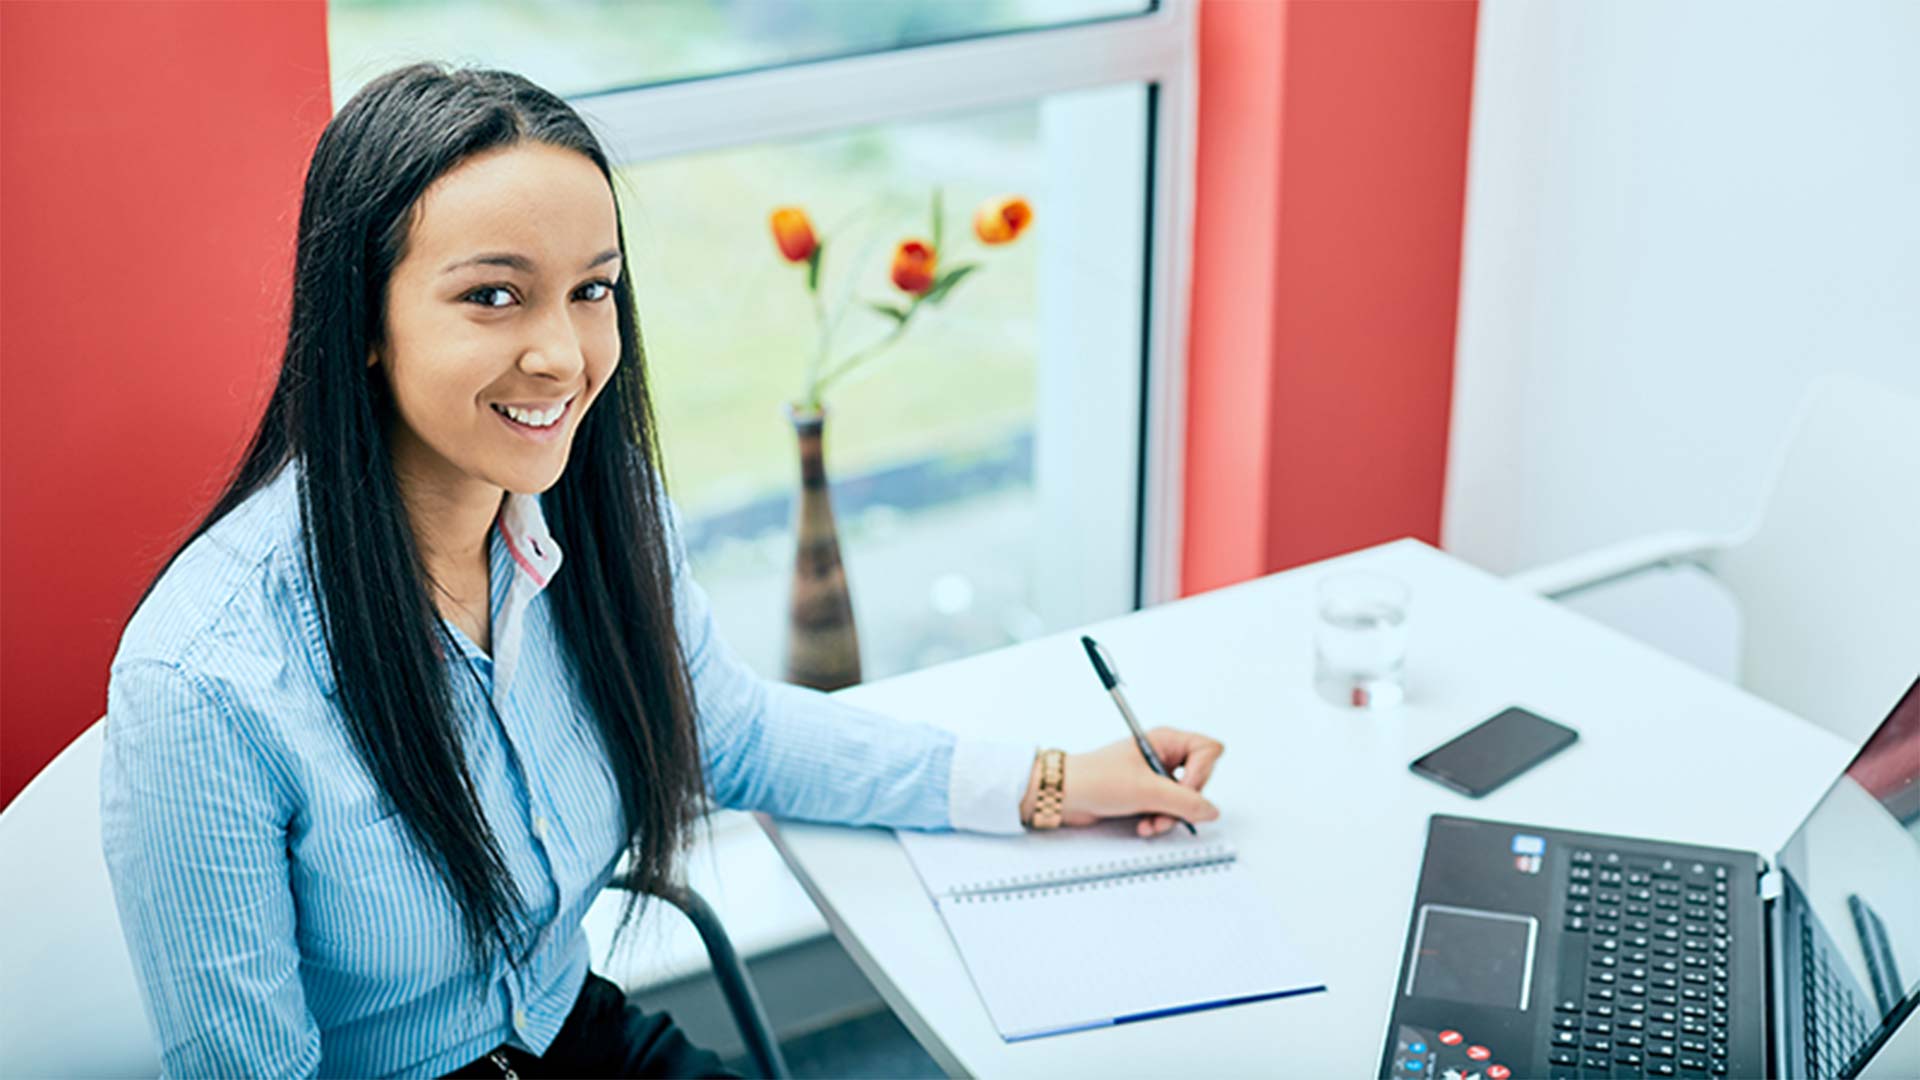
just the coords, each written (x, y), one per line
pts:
(1188, 753)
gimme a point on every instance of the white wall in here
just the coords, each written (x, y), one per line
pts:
(1677, 214)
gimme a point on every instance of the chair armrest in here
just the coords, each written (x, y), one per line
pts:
(1629, 557)
(730, 972)
(738, 870)
(735, 985)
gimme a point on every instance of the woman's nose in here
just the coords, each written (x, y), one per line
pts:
(556, 350)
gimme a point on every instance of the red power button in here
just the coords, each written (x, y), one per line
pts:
(1449, 1038)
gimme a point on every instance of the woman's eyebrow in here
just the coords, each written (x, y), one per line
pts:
(516, 261)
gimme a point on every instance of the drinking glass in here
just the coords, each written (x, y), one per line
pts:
(1360, 644)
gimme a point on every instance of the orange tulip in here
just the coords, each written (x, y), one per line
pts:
(913, 264)
(794, 233)
(1001, 221)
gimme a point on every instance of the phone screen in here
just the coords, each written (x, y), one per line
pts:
(1494, 751)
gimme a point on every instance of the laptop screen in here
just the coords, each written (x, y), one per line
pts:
(1855, 863)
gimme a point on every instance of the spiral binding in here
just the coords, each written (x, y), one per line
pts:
(1102, 875)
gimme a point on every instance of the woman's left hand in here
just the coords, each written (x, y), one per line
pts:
(1116, 781)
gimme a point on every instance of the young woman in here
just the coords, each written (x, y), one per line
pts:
(371, 752)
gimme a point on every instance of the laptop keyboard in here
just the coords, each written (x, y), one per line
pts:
(1647, 996)
(1837, 1015)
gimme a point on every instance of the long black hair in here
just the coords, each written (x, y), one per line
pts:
(613, 603)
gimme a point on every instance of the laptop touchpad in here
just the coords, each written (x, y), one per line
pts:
(1474, 956)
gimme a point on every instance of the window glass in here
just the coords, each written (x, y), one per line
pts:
(939, 448)
(587, 46)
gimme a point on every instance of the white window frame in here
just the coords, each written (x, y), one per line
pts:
(814, 98)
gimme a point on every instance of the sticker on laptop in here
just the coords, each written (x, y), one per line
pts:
(1527, 850)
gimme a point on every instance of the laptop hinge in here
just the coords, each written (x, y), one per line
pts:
(1770, 887)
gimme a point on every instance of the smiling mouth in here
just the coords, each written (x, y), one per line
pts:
(540, 432)
(527, 418)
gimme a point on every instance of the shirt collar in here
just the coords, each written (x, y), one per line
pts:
(523, 526)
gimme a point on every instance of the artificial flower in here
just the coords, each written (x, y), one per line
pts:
(794, 233)
(1001, 221)
(913, 266)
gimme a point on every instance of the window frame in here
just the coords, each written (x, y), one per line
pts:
(1156, 48)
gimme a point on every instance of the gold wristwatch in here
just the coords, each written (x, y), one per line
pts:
(1052, 794)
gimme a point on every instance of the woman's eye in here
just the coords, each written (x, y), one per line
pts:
(499, 296)
(488, 290)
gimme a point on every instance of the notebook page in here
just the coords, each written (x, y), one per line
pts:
(951, 861)
(1066, 959)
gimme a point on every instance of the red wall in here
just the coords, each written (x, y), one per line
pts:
(151, 157)
(1331, 189)
(1231, 340)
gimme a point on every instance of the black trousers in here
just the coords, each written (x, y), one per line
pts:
(606, 1036)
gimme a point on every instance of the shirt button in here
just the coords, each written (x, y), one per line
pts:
(540, 826)
(520, 1020)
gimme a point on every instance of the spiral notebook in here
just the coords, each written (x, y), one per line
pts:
(1081, 928)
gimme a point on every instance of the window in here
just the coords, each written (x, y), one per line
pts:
(1009, 469)
(936, 446)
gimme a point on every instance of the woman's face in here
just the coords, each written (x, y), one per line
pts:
(503, 301)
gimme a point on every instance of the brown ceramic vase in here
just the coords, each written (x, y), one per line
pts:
(823, 650)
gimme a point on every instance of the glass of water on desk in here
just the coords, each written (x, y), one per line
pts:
(1360, 644)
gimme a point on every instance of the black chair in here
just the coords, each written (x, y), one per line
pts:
(735, 984)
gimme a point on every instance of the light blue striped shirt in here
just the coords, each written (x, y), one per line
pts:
(281, 923)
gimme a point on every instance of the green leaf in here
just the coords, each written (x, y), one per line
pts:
(896, 314)
(937, 216)
(813, 267)
(946, 281)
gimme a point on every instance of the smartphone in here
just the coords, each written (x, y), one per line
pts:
(1494, 751)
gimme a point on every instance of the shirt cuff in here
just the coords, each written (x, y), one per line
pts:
(985, 785)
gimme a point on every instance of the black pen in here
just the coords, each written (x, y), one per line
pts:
(1110, 678)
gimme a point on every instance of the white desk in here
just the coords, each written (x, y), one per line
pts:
(1320, 802)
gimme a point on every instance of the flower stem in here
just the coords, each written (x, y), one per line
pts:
(819, 361)
(865, 354)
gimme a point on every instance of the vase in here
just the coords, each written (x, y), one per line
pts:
(823, 649)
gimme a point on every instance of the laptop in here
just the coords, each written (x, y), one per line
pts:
(1535, 952)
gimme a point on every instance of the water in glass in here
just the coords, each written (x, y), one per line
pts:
(1361, 644)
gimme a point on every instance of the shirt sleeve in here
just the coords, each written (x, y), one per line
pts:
(795, 752)
(988, 781)
(193, 825)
